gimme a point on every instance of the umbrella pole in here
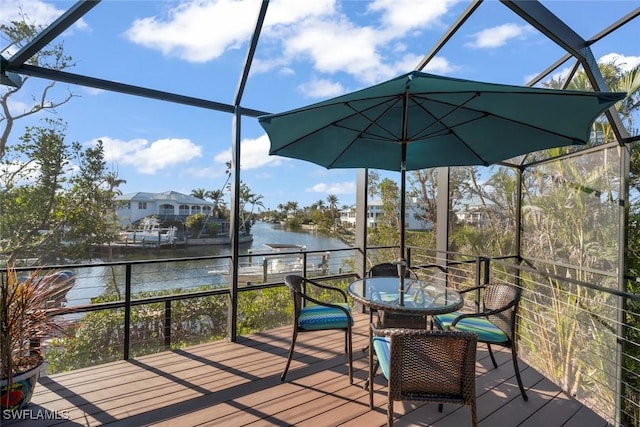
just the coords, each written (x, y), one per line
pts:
(403, 172)
(402, 260)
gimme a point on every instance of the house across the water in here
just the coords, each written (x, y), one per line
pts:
(168, 206)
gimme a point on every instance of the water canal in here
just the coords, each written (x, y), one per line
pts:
(190, 275)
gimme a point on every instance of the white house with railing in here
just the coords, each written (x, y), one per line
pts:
(348, 216)
(167, 206)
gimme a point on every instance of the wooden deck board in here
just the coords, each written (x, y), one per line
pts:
(238, 384)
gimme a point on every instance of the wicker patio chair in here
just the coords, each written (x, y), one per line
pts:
(495, 323)
(429, 366)
(388, 319)
(312, 314)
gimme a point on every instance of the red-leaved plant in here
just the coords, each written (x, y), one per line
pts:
(27, 302)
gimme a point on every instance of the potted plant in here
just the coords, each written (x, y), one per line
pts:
(27, 303)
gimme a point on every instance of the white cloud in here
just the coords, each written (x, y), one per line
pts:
(8, 174)
(318, 32)
(92, 90)
(499, 36)
(366, 52)
(181, 33)
(254, 153)
(150, 157)
(348, 187)
(421, 14)
(35, 12)
(288, 12)
(353, 48)
(625, 62)
(439, 65)
(17, 107)
(321, 88)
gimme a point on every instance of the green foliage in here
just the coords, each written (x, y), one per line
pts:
(195, 224)
(56, 198)
(98, 337)
(293, 224)
(51, 209)
(264, 309)
(632, 351)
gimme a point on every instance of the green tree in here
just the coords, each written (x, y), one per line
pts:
(249, 202)
(332, 200)
(217, 197)
(199, 193)
(54, 198)
(570, 214)
(387, 231)
(113, 182)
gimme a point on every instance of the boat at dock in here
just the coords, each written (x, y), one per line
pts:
(150, 232)
(279, 260)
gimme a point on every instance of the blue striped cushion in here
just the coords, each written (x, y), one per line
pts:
(318, 317)
(486, 331)
(381, 345)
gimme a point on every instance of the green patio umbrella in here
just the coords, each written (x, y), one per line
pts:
(420, 120)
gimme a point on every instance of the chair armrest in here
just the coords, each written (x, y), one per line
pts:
(325, 303)
(482, 313)
(474, 288)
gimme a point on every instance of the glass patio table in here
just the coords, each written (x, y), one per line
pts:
(421, 297)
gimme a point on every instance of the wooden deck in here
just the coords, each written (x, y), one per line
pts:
(237, 384)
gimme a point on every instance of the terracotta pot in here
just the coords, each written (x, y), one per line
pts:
(21, 389)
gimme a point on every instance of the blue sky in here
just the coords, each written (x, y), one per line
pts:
(309, 51)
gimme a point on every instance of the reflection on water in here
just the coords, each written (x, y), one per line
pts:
(188, 276)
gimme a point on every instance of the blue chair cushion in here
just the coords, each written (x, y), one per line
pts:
(318, 317)
(381, 346)
(486, 331)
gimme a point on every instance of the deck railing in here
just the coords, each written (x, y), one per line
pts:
(576, 327)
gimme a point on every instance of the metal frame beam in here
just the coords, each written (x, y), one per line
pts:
(235, 169)
(56, 28)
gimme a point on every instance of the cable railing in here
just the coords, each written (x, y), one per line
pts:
(576, 327)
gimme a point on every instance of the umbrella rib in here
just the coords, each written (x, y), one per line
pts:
(364, 131)
(438, 120)
(336, 124)
(372, 123)
(483, 115)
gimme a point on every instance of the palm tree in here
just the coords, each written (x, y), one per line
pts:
(617, 80)
(248, 198)
(217, 196)
(113, 182)
(332, 200)
(200, 193)
(290, 207)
